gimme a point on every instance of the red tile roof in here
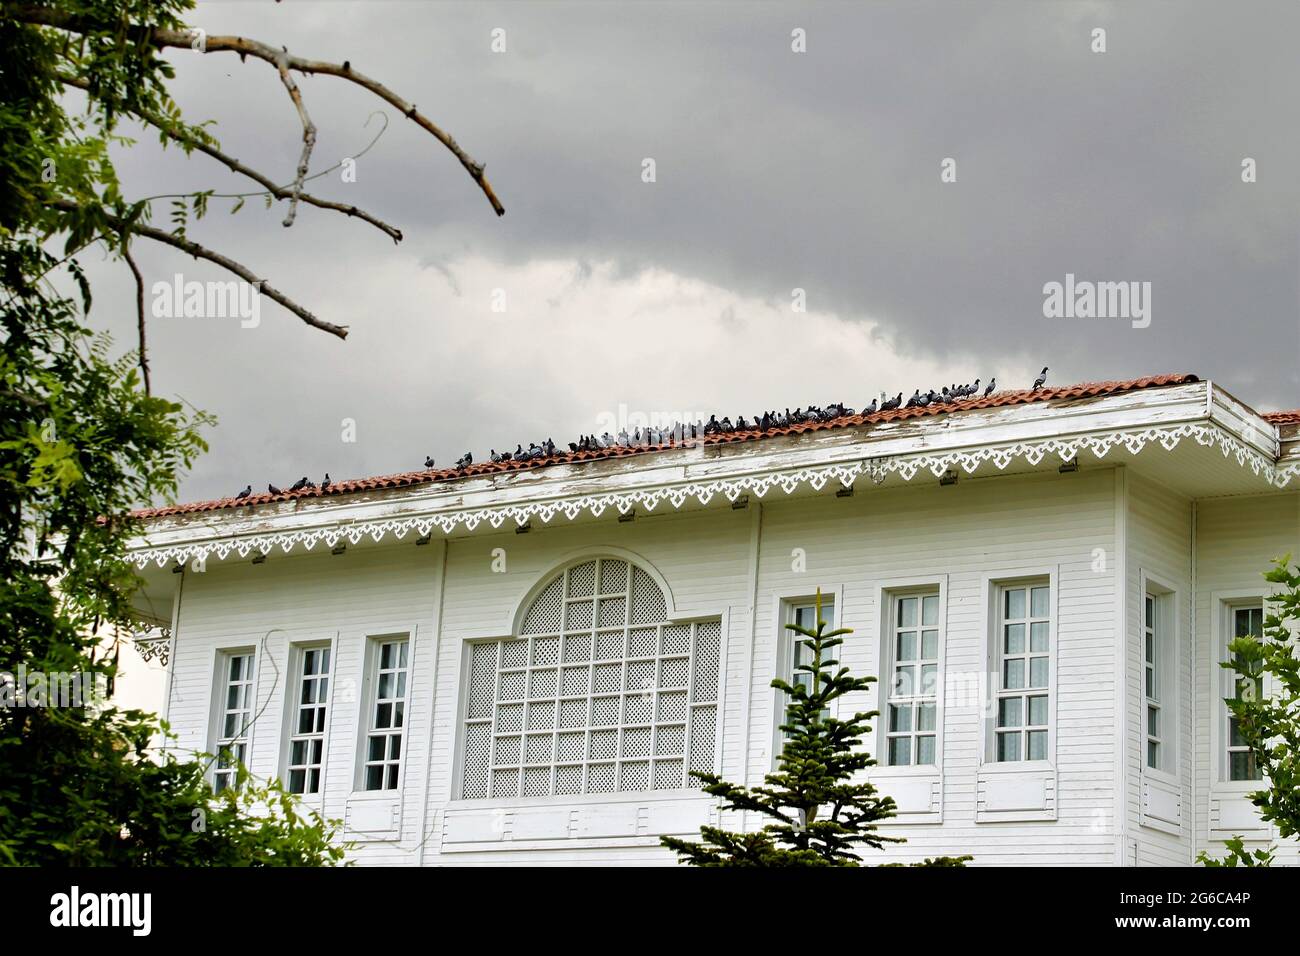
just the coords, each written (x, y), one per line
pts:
(1283, 418)
(410, 478)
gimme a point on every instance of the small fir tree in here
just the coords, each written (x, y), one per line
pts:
(820, 814)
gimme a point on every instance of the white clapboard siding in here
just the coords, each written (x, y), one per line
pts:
(1159, 533)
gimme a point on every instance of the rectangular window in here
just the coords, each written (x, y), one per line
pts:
(307, 720)
(913, 655)
(1246, 621)
(234, 717)
(1024, 659)
(1151, 678)
(798, 649)
(387, 719)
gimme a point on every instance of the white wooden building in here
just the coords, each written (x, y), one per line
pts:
(520, 663)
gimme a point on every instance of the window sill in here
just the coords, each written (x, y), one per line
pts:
(1015, 792)
(1161, 802)
(1232, 814)
(917, 793)
(582, 820)
(577, 799)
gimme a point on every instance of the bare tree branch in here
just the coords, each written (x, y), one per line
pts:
(279, 192)
(308, 134)
(139, 309)
(202, 252)
(184, 39)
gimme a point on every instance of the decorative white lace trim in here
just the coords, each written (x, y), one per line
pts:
(847, 473)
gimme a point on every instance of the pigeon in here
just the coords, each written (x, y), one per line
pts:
(464, 461)
(274, 490)
(325, 482)
(428, 462)
(1041, 380)
(870, 409)
(300, 484)
(248, 490)
(915, 399)
(993, 383)
(971, 389)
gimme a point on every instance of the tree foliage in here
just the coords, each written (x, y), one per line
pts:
(81, 444)
(821, 811)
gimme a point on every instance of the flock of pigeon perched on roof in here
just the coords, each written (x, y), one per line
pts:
(680, 431)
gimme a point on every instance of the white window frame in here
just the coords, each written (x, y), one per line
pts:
(220, 690)
(369, 707)
(993, 587)
(1168, 665)
(1222, 683)
(890, 626)
(293, 705)
(783, 612)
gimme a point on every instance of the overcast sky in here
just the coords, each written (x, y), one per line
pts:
(775, 170)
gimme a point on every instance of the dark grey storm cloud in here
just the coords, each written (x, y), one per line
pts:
(775, 170)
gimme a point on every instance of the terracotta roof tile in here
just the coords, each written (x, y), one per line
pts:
(1283, 418)
(410, 478)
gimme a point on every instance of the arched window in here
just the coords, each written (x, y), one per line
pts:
(597, 694)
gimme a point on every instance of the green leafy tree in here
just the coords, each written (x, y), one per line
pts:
(822, 812)
(1266, 711)
(83, 441)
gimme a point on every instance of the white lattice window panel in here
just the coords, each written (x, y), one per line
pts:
(599, 693)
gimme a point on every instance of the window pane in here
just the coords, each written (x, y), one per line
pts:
(1039, 603)
(1151, 683)
(900, 751)
(930, 610)
(1150, 611)
(925, 750)
(1038, 636)
(904, 681)
(375, 777)
(1009, 712)
(1248, 621)
(1015, 604)
(1038, 672)
(297, 781)
(1235, 739)
(1038, 745)
(907, 612)
(1243, 766)
(1009, 746)
(1038, 711)
(925, 716)
(1150, 648)
(1153, 755)
(929, 679)
(900, 717)
(907, 645)
(1013, 674)
(1015, 639)
(383, 716)
(386, 656)
(376, 751)
(929, 645)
